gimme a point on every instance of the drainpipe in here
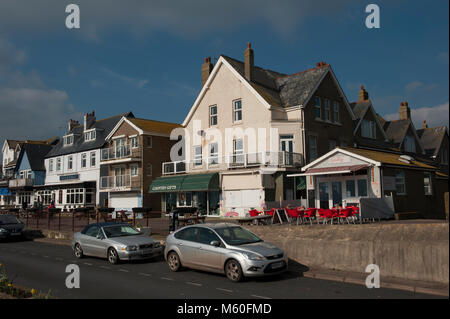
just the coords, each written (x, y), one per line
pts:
(303, 135)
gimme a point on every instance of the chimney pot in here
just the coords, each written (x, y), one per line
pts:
(249, 45)
(404, 111)
(207, 67)
(363, 94)
(249, 62)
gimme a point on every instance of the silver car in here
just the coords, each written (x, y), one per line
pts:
(223, 248)
(115, 241)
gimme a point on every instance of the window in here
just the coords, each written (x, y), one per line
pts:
(312, 148)
(70, 162)
(368, 129)
(75, 196)
(238, 151)
(350, 188)
(327, 109)
(90, 136)
(336, 111)
(58, 164)
(362, 187)
(134, 170)
(134, 142)
(50, 165)
(149, 142)
(197, 155)
(332, 144)
(427, 183)
(45, 197)
(92, 159)
(149, 169)
(410, 144)
(213, 115)
(213, 153)
(83, 160)
(237, 111)
(400, 182)
(68, 140)
(317, 107)
(90, 195)
(184, 199)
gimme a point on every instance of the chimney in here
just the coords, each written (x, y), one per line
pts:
(424, 124)
(249, 62)
(363, 95)
(72, 124)
(404, 111)
(89, 120)
(206, 70)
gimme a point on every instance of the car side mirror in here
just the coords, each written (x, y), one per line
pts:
(215, 243)
(99, 236)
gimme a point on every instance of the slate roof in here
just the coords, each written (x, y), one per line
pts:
(36, 155)
(359, 108)
(431, 139)
(279, 89)
(154, 126)
(396, 130)
(104, 127)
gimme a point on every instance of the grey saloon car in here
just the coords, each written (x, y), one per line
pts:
(10, 227)
(114, 241)
(223, 248)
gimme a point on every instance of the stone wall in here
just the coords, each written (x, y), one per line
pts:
(407, 251)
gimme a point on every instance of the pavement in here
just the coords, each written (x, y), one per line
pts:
(41, 264)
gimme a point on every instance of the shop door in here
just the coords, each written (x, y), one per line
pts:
(337, 193)
(324, 195)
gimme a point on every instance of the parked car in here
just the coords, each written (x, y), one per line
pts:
(11, 227)
(223, 248)
(114, 241)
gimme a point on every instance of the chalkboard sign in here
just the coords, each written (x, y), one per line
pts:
(280, 216)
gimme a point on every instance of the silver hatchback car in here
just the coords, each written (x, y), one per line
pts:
(223, 248)
(115, 241)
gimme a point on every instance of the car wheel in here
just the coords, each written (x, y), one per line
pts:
(173, 260)
(233, 270)
(113, 257)
(78, 251)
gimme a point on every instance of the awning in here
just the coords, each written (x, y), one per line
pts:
(188, 183)
(5, 192)
(331, 170)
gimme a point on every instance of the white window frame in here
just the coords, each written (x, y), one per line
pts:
(58, 164)
(428, 186)
(68, 140)
(238, 153)
(213, 116)
(318, 107)
(410, 144)
(93, 158)
(134, 141)
(237, 110)
(213, 156)
(368, 129)
(134, 170)
(198, 157)
(70, 162)
(90, 135)
(83, 160)
(50, 165)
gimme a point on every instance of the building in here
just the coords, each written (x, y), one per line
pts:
(132, 159)
(73, 165)
(436, 143)
(279, 123)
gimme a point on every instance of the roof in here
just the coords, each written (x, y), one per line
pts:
(279, 89)
(13, 143)
(103, 127)
(36, 155)
(360, 108)
(396, 130)
(154, 126)
(387, 158)
(432, 138)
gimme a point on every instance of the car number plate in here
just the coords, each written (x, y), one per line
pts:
(277, 265)
(146, 252)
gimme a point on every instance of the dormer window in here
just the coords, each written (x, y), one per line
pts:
(68, 140)
(368, 129)
(90, 136)
(410, 144)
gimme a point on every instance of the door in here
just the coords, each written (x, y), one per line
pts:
(88, 241)
(119, 147)
(324, 195)
(337, 193)
(209, 256)
(188, 246)
(119, 177)
(287, 147)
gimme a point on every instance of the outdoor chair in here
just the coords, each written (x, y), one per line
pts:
(346, 214)
(324, 215)
(310, 213)
(254, 213)
(293, 214)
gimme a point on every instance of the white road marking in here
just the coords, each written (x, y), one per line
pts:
(59, 259)
(144, 274)
(261, 297)
(165, 278)
(123, 270)
(88, 264)
(45, 256)
(223, 289)
(193, 283)
(105, 267)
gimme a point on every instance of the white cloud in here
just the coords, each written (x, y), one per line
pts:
(413, 85)
(443, 57)
(139, 83)
(435, 116)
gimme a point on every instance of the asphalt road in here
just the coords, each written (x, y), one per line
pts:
(42, 266)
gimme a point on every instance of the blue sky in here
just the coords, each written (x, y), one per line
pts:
(146, 58)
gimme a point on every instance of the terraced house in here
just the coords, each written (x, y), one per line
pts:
(133, 157)
(297, 118)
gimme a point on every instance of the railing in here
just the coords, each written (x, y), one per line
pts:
(21, 182)
(119, 152)
(120, 182)
(262, 159)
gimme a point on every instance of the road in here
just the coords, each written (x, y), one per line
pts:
(42, 266)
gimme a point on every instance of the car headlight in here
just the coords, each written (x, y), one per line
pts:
(2, 230)
(252, 256)
(131, 248)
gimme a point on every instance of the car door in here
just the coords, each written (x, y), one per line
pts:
(88, 240)
(99, 245)
(187, 243)
(207, 255)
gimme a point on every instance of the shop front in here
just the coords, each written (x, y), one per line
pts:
(195, 191)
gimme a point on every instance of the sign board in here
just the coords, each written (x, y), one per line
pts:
(339, 159)
(280, 216)
(69, 177)
(389, 183)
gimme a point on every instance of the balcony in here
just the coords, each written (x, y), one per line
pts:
(125, 153)
(120, 183)
(21, 182)
(250, 160)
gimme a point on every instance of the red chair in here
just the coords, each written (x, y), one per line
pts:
(254, 213)
(324, 215)
(301, 213)
(310, 213)
(270, 212)
(355, 212)
(293, 214)
(346, 213)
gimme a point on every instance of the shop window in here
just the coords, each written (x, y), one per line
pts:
(362, 188)
(184, 199)
(350, 190)
(427, 184)
(400, 182)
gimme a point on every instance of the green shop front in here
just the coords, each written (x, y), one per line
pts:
(199, 191)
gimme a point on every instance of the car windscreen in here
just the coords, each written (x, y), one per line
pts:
(8, 219)
(120, 231)
(237, 236)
